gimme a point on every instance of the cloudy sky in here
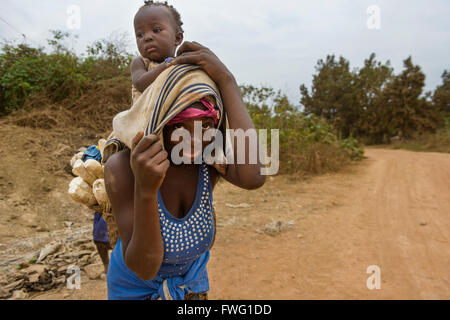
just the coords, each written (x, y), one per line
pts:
(274, 43)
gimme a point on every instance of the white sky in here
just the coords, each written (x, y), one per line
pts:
(275, 43)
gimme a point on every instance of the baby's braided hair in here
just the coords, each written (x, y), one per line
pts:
(173, 11)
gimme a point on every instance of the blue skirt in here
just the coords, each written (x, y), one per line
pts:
(124, 284)
(100, 232)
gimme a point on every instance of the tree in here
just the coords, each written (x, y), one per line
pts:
(372, 78)
(441, 96)
(407, 109)
(112, 50)
(333, 94)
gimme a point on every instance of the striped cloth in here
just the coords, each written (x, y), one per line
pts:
(174, 90)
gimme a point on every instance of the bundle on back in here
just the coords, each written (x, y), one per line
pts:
(88, 188)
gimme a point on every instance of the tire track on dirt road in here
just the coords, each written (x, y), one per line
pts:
(394, 212)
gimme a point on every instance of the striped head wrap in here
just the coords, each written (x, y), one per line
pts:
(195, 113)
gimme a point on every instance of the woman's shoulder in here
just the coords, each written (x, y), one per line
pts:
(118, 168)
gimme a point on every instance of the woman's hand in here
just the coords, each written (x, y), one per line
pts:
(148, 161)
(195, 53)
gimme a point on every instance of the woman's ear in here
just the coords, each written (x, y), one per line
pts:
(179, 38)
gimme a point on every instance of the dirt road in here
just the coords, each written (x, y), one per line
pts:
(392, 211)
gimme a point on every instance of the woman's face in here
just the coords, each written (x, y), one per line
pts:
(188, 125)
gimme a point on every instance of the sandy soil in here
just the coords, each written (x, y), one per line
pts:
(34, 177)
(392, 210)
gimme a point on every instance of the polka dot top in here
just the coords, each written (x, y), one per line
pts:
(187, 238)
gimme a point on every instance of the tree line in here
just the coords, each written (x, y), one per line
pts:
(371, 104)
(374, 104)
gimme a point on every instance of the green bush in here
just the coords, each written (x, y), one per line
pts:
(27, 73)
(307, 143)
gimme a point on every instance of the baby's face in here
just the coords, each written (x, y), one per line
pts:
(156, 33)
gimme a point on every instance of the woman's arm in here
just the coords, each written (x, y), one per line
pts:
(247, 176)
(141, 77)
(135, 204)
